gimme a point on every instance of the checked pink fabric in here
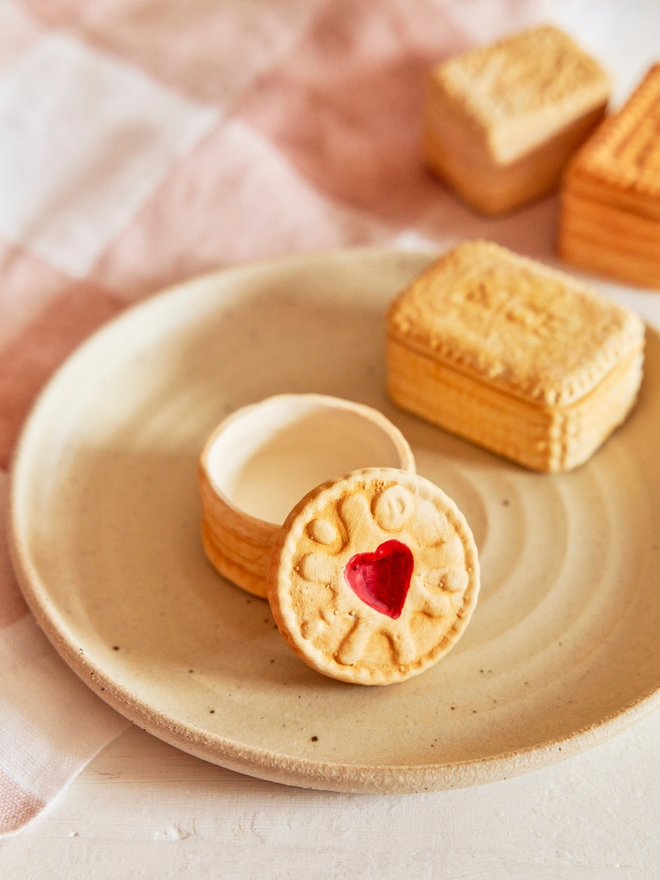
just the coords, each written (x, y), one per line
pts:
(145, 141)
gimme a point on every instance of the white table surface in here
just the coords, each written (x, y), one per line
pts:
(144, 809)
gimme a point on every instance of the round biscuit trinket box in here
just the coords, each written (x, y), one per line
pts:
(263, 458)
(374, 576)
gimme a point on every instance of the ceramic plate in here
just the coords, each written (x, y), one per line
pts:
(563, 649)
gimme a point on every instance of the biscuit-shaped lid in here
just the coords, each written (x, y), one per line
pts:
(624, 152)
(522, 89)
(374, 577)
(514, 324)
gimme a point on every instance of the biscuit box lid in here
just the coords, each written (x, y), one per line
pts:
(524, 88)
(514, 324)
(623, 154)
(374, 576)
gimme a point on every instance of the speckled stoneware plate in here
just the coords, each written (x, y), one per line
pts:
(563, 649)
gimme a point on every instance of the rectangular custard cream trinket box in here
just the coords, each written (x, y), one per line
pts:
(513, 356)
(610, 218)
(502, 120)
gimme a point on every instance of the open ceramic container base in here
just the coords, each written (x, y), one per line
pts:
(562, 650)
(261, 460)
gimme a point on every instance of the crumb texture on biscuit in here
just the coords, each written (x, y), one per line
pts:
(513, 324)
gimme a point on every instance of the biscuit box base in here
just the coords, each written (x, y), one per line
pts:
(542, 438)
(490, 187)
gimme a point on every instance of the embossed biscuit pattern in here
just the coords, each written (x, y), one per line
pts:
(327, 624)
(625, 151)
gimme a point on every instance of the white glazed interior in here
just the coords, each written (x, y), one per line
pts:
(266, 457)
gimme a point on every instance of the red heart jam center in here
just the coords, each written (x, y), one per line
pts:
(382, 579)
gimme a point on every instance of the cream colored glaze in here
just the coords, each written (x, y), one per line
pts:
(105, 541)
(265, 460)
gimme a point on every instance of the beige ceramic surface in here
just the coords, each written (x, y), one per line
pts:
(562, 650)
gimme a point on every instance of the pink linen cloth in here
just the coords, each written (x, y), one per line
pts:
(145, 141)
